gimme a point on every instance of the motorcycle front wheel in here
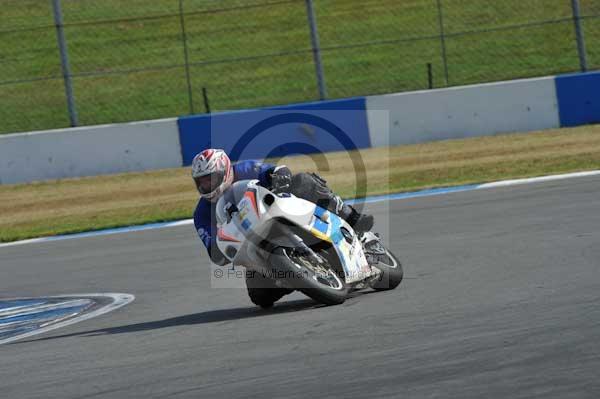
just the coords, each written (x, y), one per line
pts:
(317, 281)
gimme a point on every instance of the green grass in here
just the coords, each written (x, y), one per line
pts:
(217, 37)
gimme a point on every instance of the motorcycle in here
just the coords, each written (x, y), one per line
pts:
(293, 244)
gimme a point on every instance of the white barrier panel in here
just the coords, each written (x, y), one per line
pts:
(479, 110)
(89, 151)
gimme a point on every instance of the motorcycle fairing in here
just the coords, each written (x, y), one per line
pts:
(328, 227)
(254, 217)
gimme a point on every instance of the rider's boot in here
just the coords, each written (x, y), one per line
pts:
(360, 222)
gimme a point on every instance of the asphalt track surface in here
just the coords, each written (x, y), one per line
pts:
(501, 300)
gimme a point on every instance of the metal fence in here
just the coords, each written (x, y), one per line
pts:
(80, 62)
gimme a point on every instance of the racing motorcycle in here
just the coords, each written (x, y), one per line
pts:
(298, 245)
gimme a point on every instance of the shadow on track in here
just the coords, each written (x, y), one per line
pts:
(212, 316)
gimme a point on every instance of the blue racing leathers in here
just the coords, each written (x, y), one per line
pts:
(205, 220)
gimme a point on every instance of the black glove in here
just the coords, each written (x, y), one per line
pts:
(280, 180)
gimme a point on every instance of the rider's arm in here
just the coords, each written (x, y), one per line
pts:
(269, 175)
(206, 230)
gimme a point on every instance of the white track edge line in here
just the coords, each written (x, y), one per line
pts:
(119, 300)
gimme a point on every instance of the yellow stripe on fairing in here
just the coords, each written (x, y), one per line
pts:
(320, 235)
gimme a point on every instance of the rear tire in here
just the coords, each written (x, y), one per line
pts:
(391, 275)
(307, 281)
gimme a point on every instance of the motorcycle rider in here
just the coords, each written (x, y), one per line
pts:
(213, 174)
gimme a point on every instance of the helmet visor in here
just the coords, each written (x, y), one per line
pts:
(209, 183)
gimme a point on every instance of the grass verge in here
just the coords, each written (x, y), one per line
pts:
(75, 205)
(132, 68)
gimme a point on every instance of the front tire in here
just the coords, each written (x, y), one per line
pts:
(263, 291)
(328, 289)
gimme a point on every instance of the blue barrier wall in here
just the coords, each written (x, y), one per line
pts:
(279, 131)
(578, 99)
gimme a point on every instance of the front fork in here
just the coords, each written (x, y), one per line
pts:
(372, 247)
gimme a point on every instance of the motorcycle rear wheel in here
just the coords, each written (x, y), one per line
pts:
(391, 275)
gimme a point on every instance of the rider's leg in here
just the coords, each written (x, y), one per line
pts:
(313, 188)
